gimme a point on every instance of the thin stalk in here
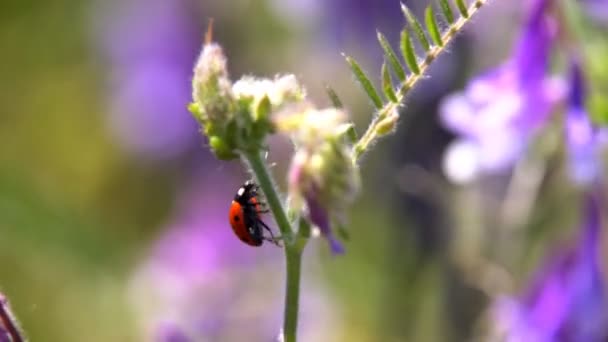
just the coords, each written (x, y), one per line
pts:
(290, 323)
(260, 170)
(293, 245)
(7, 321)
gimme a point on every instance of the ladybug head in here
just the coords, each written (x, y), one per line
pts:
(246, 191)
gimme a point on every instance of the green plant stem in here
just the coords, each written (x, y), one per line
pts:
(293, 245)
(260, 170)
(290, 323)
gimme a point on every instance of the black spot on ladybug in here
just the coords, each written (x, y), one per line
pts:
(236, 218)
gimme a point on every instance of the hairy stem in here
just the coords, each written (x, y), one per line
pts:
(370, 134)
(293, 246)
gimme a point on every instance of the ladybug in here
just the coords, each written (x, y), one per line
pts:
(245, 218)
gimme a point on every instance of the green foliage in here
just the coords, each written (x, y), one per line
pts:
(418, 30)
(367, 85)
(462, 7)
(447, 11)
(351, 134)
(387, 84)
(417, 64)
(392, 57)
(333, 97)
(407, 50)
(431, 25)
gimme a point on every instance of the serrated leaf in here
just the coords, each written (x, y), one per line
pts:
(392, 57)
(407, 50)
(366, 84)
(387, 84)
(415, 24)
(333, 97)
(431, 24)
(462, 7)
(447, 11)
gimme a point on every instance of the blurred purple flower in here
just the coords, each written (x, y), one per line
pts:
(499, 112)
(201, 283)
(568, 301)
(596, 9)
(584, 140)
(357, 20)
(151, 47)
(319, 217)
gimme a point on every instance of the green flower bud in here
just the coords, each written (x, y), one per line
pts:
(237, 117)
(388, 124)
(213, 103)
(211, 87)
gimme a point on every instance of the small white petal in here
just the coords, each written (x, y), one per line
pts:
(461, 162)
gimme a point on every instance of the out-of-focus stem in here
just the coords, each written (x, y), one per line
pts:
(8, 321)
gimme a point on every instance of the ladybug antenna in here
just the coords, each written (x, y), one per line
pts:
(209, 33)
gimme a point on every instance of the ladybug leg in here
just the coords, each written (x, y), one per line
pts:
(260, 207)
(272, 238)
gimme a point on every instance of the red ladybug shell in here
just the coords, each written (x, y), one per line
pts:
(244, 216)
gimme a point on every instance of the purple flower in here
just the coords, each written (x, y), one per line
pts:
(499, 112)
(584, 140)
(568, 300)
(150, 48)
(201, 283)
(320, 217)
(596, 9)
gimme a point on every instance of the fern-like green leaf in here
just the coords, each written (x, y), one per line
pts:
(366, 84)
(462, 7)
(447, 11)
(392, 57)
(418, 30)
(407, 50)
(387, 84)
(333, 97)
(431, 24)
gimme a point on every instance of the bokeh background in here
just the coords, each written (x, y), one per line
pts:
(113, 214)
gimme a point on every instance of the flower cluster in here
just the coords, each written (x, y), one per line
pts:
(235, 117)
(321, 174)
